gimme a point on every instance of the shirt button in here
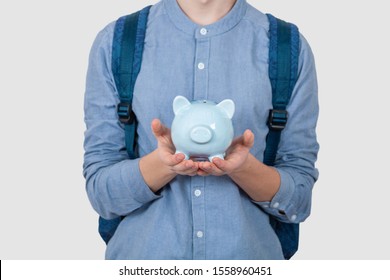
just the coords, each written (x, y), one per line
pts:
(276, 205)
(201, 66)
(197, 192)
(203, 31)
(293, 217)
(199, 234)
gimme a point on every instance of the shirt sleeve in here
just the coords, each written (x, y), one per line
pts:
(114, 183)
(298, 148)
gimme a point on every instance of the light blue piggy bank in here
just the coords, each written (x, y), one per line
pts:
(202, 129)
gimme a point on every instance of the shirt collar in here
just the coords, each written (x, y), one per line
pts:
(181, 21)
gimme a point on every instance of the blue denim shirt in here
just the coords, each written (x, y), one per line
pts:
(197, 217)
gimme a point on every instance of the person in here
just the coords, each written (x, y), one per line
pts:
(182, 209)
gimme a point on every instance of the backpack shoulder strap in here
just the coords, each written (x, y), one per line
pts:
(127, 49)
(283, 71)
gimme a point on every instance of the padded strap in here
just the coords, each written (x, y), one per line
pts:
(127, 48)
(128, 44)
(283, 71)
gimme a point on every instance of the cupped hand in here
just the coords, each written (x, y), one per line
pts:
(235, 158)
(166, 151)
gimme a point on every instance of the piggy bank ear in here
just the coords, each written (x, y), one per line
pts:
(180, 102)
(228, 106)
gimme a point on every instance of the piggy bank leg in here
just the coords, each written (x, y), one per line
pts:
(186, 157)
(221, 156)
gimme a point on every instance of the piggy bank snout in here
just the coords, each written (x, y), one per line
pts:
(201, 134)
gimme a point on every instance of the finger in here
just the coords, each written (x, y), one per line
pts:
(237, 140)
(205, 166)
(188, 173)
(221, 165)
(175, 159)
(248, 138)
(211, 169)
(158, 128)
(185, 167)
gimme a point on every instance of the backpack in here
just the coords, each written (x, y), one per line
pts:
(127, 49)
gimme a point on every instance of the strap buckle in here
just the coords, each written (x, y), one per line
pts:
(125, 113)
(277, 119)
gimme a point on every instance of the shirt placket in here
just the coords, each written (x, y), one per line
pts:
(198, 217)
(201, 76)
(197, 182)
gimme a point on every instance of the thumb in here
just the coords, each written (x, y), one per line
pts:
(248, 138)
(158, 128)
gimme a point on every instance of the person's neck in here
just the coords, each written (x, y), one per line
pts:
(204, 12)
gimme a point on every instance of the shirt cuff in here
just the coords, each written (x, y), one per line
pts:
(280, 206)
(138, 189)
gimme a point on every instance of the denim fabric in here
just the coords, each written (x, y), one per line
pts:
(197, 217)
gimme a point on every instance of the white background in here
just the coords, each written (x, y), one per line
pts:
(44, 210)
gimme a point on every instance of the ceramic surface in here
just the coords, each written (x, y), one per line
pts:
(202, 129)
